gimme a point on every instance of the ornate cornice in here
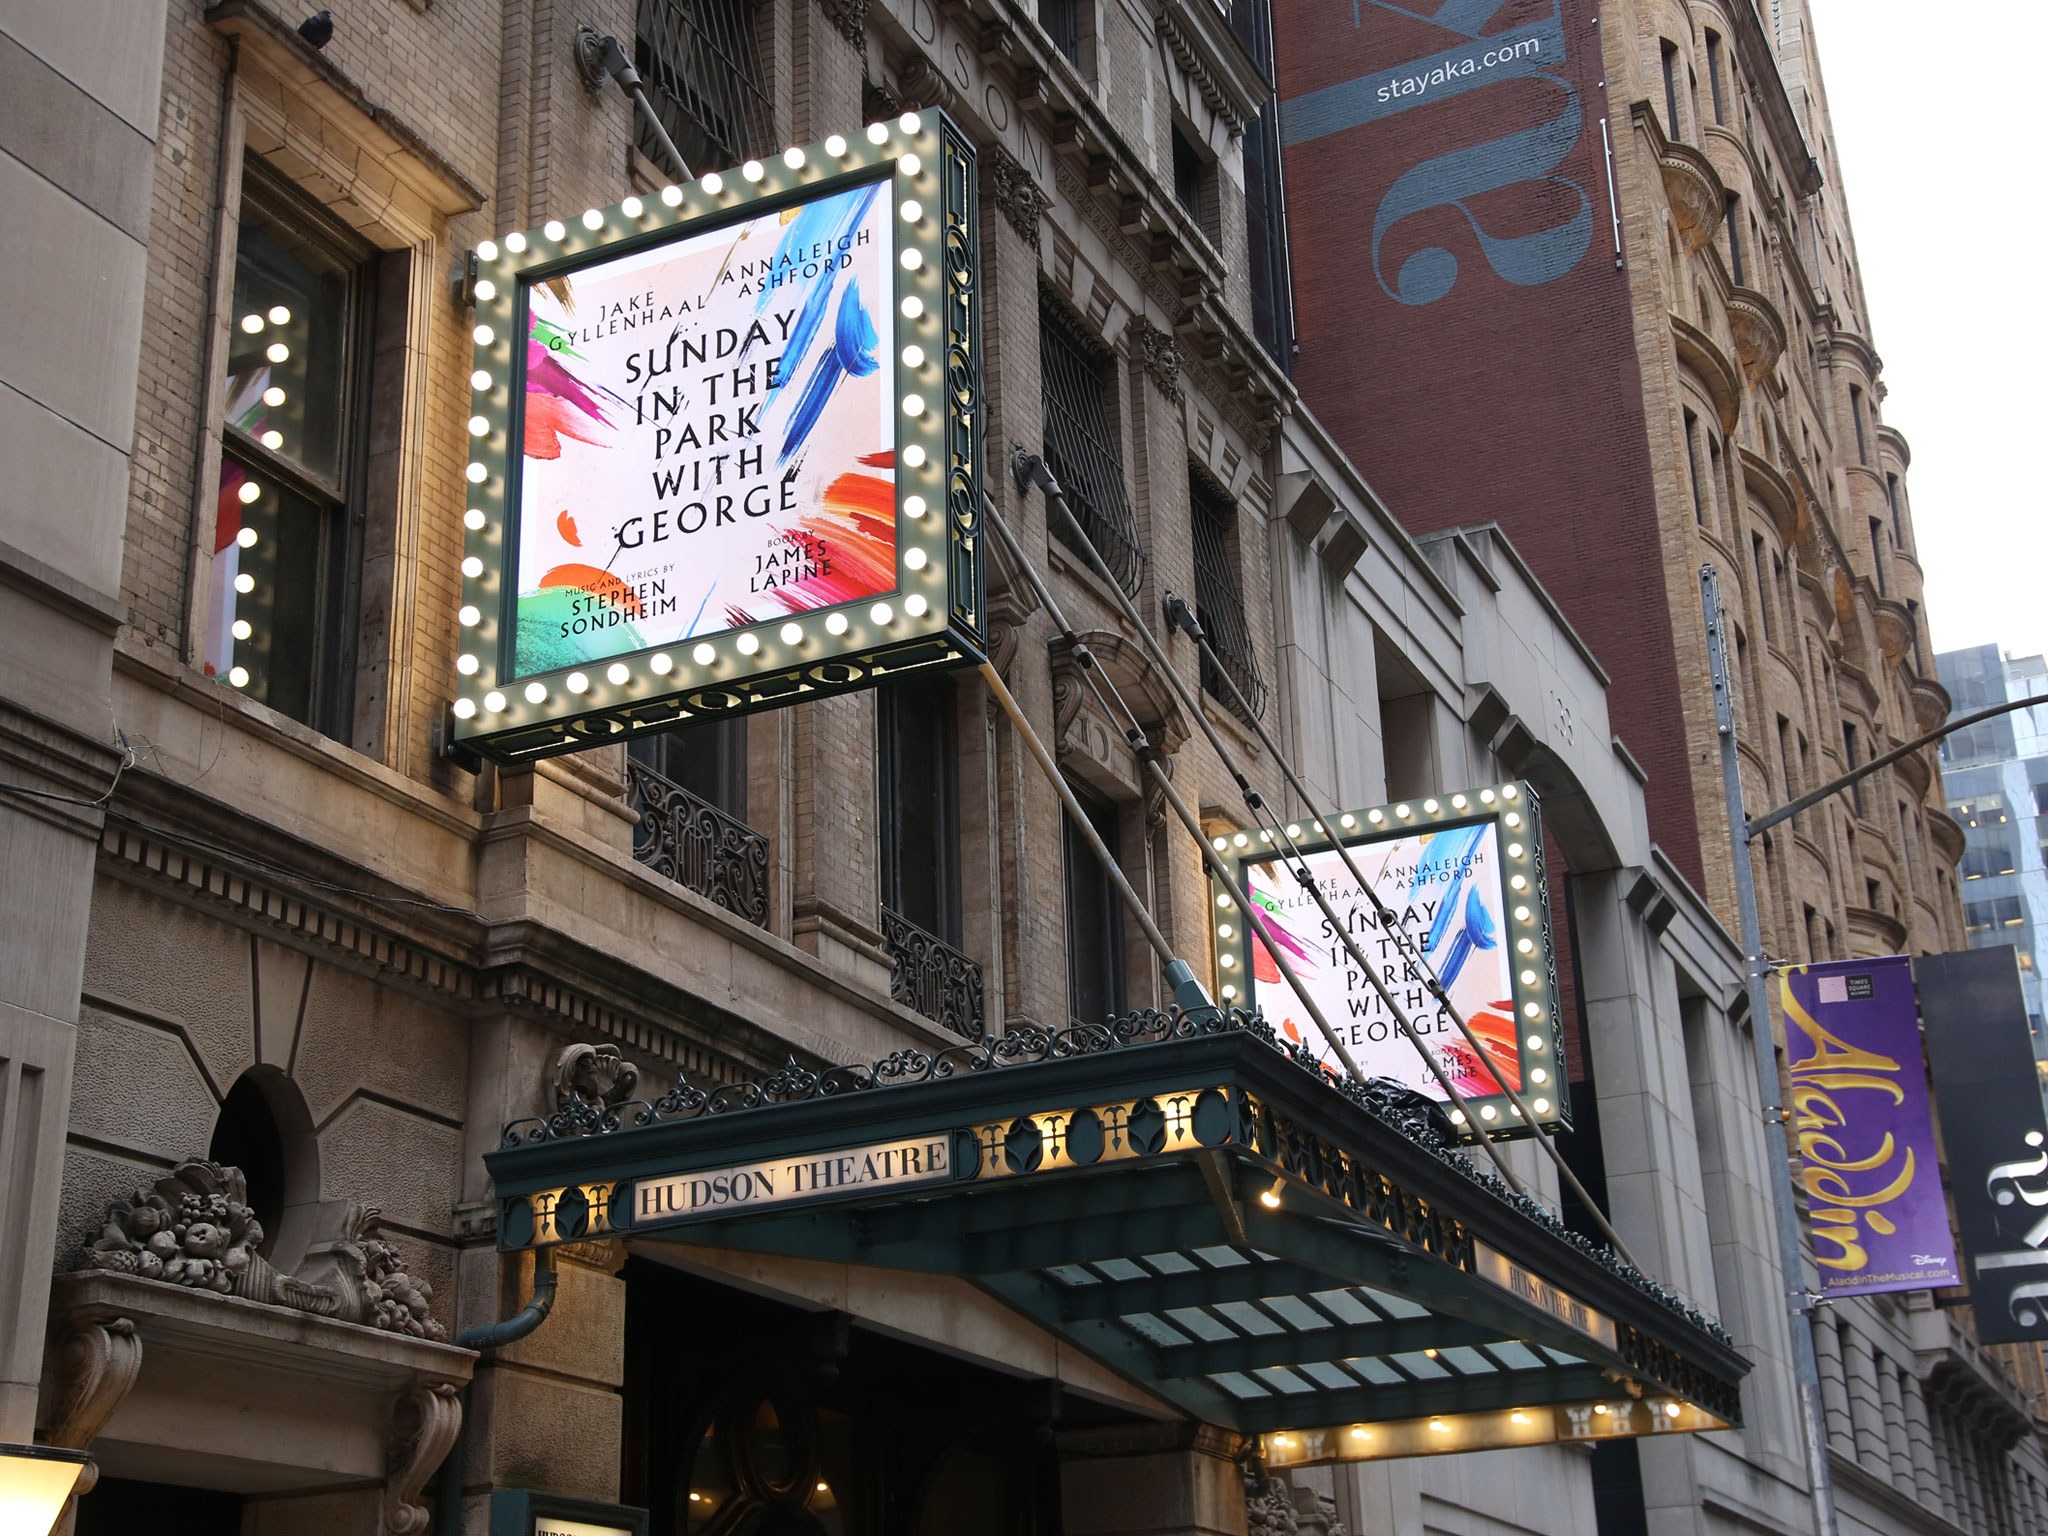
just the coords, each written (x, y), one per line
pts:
(1700, 352)
(1202, 44)
(1759, 331)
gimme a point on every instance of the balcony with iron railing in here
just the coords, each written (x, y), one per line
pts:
(931, 977)
(698, 846)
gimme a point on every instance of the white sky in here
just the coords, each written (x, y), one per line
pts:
(1936, 111)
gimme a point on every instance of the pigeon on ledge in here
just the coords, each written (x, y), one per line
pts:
(318, 28)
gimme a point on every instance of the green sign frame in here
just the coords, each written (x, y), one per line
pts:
(923, 601)
(1489, 861)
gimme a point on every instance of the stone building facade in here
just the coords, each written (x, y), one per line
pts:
(1604, 257)
(281, 968)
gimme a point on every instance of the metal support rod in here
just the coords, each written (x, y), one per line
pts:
(1403, 943)
(1143, 750)
(1410, 953)
(1032, 469)
(1188, 992)
(1791, 808)
(600, 57)
(1791, 1253)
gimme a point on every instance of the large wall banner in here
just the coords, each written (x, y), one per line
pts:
(1993, 1127)
(1461, 875)
(724, 445)
(1866, 1138)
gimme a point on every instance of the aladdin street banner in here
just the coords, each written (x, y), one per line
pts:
(1992, 1125)
(1866, 1140)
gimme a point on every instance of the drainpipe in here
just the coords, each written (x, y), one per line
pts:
(488, 1339)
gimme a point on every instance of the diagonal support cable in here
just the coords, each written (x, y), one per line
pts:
(1189, 995)
(1029, 469)
(1141, 746)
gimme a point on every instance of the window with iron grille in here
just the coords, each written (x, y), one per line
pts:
(1219, 598)
(1081, 444)
(1062, 21)
(703, 71)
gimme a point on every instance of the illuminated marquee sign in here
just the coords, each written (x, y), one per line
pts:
(723, 446)
(1462, 875)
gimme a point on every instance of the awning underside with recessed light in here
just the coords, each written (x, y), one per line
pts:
(1185, 1200)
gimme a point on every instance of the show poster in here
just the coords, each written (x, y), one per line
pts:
(1874, 1205)
(1987, 1083)
(709, 433)
(1445, 888)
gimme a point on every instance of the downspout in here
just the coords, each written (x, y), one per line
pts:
(488, 1339)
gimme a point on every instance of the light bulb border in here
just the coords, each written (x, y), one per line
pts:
(944, 629)
(1362, 827)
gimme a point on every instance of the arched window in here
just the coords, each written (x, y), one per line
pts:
(265, 1129)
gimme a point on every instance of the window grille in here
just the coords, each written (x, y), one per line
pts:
(703, 71)
(1095, 915)
(1219, 600)
(1062, 21)
(1081, 446)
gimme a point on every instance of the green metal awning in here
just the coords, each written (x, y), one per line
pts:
(1190, 1203)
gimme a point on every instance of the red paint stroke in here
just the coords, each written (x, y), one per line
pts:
(548, 421)
(565, 525)
(599, 583)
(886, 459)
(857, 524)
(1503, 1063)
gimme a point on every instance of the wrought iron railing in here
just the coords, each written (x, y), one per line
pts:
(1082, 449)
(697, 845)
(929, 975)
(1219, 602)
(703, 71)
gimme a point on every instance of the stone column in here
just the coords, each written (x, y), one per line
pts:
(1920, 1442)
(78, 128)
(1866, 1412)
(1834, 1394)
(1154, 1479)
(1895, 1424)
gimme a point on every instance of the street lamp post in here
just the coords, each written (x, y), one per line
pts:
(1756, 971)
(1791, 1253)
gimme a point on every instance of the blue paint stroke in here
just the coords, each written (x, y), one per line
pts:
(851, 355)
(1446, 854)
(831, 220)
(1477, 934)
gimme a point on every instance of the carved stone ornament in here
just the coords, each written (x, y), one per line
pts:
(1162, 357)
(1280, 1507)
(594, 1076)
(1020, 198)
(423, 1428)
(850, 17)
(195, 1229)
(922, 85)
(90, 1368)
